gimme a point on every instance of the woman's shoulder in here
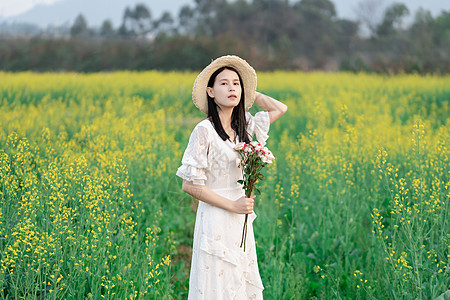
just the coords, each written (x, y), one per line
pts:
(203, 128)
(248, 118)
(205, 123)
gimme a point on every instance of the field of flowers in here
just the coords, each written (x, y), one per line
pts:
(354, 207)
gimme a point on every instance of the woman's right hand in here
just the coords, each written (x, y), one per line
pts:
(244, 205)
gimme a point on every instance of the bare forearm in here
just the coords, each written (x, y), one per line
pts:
(204, 194)
(274, 107)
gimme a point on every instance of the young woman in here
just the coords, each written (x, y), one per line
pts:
(220, 268)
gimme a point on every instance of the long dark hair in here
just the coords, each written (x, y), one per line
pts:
(238, 122)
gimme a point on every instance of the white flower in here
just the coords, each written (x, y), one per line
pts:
(239, 146)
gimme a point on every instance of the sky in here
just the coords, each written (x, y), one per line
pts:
(345, 8)
(10, 8)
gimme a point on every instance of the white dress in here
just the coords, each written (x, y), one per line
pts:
(220, 269)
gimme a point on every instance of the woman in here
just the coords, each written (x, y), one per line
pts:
(220, 268)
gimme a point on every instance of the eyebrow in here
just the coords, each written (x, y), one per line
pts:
(236, 79)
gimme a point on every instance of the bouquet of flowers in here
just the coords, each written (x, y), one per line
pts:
(253, 158)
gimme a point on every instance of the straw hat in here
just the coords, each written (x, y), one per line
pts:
(247, 73)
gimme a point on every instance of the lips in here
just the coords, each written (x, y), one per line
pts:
(232, 96)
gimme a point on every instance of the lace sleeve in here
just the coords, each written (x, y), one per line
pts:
(258, 125)
(195, 158)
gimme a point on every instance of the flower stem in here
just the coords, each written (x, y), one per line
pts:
(248, 192)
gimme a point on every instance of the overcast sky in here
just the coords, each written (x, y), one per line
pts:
(345, 8)
(10, 8)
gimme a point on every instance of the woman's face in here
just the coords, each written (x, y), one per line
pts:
(226, 90)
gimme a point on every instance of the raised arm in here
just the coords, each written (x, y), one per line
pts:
(241, 206)
(274, 107)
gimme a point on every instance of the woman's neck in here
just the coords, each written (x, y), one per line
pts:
(225, 118)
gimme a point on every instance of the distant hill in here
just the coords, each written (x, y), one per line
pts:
(65, 11)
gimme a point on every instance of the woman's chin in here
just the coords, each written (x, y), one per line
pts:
(228, 106)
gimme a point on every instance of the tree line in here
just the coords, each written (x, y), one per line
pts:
(270, 34)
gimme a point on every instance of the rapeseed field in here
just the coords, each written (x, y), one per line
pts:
(354, 207)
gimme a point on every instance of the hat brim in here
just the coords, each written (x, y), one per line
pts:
(247, 73)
